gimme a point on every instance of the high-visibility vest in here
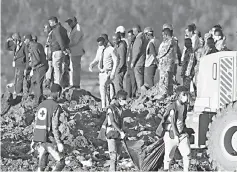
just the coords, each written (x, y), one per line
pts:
(44, 116)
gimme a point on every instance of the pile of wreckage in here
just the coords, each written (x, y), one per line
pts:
(81, 120)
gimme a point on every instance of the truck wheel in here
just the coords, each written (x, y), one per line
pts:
(222, 139)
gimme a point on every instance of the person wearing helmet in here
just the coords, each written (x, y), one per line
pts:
(20, 60)
(121, 30)
(151, 57)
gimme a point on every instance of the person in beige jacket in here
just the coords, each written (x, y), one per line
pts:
(77, 51)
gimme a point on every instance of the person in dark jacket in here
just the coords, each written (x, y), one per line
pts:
(46, 132)
(188, 64)
(59, 48)
(120, 49)
(39, 66)
(20, 60)
(130, 82)
(114, 131)
(139, 55)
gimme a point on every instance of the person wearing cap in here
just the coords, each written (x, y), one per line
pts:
(77, 51)
(107, 62)
(151, 57)
(39, 66)
(121, 30)
(172, 129)
(139, 56)
(46, 133)
(120, 50)
(47, 49)
(166, 58)
(177, 51)
(59, 47)
(20, 60)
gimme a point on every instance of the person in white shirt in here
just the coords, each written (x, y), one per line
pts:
(107, 62)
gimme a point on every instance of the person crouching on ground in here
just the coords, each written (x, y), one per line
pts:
(114, 132)
(46, 131)
(172, 127)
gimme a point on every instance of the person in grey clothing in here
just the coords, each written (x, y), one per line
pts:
(139, 55)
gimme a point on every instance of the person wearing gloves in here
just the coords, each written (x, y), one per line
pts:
(46, 132)
(39, 66)
(107, 63)
(121, 30)
(172, 129)
(76, 51)
(114, 132)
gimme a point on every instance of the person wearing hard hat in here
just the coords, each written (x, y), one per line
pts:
(121, 30)
(177, 51)
(34, 38)
(151, 57)
(20, 60)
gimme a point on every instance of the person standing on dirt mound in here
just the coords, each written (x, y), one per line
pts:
(39, 66)
(114, 132)
(46, 131)
(172, 128)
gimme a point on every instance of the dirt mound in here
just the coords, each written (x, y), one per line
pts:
(80, 122)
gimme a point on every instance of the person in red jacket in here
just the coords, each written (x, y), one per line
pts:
(39, 66)
(46, 132)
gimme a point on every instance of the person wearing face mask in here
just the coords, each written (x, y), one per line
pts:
(114, 124)
(46, 132)
(172, 129)
(188, 64)
(20, 60)
(219, 40)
